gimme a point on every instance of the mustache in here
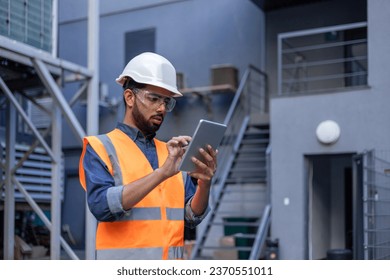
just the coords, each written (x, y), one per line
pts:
(158, 115)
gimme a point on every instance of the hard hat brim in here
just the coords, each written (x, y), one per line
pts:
(176, 93)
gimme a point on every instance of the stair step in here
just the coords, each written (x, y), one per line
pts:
(257, 131)
(241, 190)
(240, 178)
(251, 150)
(249, 161)
(231, 213)
(246, 180)
(227, 248)
(248, 224)
(247, 176)
(244, 235)
(240, 200)
(247, 169)
(244, 159)
(255, 141)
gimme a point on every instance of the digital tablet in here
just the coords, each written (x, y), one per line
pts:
(206, 133)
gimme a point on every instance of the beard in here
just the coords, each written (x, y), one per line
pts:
(144, 125)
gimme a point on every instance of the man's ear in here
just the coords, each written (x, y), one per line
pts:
(128, 96)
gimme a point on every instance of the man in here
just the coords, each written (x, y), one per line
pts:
(134, 188)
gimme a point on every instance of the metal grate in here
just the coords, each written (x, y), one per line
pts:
(35, 174)
(28, 21)
(40, 117)
(377, 205)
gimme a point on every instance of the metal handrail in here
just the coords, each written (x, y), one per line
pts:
(261, 233)
(240, 91)
(314, 56)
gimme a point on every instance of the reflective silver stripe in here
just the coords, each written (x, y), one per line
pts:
(113, 158)
(184, 175)
(175, 214)
(175, 252)
(130, 254)
(114, 199)
(144, 213)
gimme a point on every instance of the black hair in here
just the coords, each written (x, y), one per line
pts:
(129, 83)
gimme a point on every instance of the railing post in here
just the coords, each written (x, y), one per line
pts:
(9, 202)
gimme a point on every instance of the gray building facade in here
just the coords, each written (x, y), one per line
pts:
(310, 180)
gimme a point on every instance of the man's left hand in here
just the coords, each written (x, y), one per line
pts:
(205, 167)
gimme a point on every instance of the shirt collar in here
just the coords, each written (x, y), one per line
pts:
(133, 132)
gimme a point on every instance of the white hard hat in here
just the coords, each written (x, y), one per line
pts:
(152, 69)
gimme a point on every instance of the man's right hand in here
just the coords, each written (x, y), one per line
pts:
(176, 149)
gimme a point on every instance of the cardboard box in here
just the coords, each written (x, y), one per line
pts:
(226, 254)
(224, 74)
(188, 245)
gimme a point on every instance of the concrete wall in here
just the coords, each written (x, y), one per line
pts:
(363, 117)
(193, 34)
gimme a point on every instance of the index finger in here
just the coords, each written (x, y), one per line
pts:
(183, 140)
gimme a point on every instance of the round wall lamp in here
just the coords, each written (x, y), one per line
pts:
(328, 132)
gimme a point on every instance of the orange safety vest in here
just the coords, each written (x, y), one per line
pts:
(154, 228)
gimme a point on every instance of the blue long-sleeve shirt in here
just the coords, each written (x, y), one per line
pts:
(105, 199)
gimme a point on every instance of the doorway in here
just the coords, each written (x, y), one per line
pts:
(330, 203)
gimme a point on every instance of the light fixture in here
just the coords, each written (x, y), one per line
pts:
(328, 132)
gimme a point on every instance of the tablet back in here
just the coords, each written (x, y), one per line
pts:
(206, 133)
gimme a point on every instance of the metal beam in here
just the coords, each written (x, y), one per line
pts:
(92, 110)
(322, 30)
(9, 203)
(59, 99)
(12, 98)
(21, 53)
(54, 28)
(78, 94)
(56, 144)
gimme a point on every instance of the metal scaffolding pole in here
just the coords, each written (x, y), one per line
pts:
(92, 110)
(9, 203)
(56, 144)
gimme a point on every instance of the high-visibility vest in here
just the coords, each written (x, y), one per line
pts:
(154, 228)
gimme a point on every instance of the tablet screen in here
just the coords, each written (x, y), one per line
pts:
(206, 133)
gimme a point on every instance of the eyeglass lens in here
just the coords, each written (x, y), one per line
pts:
(156, 100)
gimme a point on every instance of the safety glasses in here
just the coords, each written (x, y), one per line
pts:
(154, 100)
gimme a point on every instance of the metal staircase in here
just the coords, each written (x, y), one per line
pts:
(238, 224)
(249, 166)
